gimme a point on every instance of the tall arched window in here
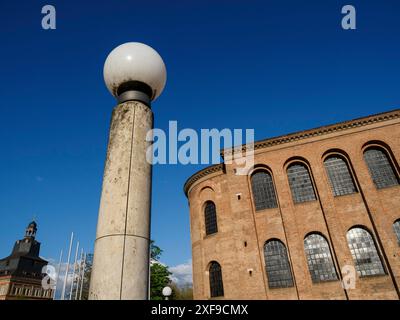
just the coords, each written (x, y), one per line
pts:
(263, 190)
(380, 168)
(210, 216)
(277, 265)
(300, 183)
(339, 175)
(216, 284)
(319, 258)
(396, 228)
(365, 255)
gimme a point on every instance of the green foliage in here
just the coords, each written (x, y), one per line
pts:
(155, 251)
(86, 279)
(159, 278)
(87, 275)
(159, 273)
(181, 293)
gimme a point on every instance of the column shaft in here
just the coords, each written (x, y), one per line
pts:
(121, 255)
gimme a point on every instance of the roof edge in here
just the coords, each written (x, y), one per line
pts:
(200, 174)
(287, 138)
(318, 131)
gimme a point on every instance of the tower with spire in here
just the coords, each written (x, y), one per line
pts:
(31, 230)
(21, 273)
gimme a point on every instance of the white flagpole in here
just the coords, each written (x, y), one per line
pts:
(73, 273)
(83, 276)
(57, 274)
(66, 271)
(78, 281)
(148, 287)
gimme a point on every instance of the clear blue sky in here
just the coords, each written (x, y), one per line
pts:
(275, 66)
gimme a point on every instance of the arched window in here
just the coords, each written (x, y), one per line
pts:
(319, 258)
(380, 168)
(365, 255)
(210, 215)
(300, 183)
(277, 265)
(263, 190)
(216, 284)
(396, 227)
(339, 176)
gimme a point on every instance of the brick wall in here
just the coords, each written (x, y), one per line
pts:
(242, 232)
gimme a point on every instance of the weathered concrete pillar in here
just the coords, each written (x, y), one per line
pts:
(123, 230)
(135, 74)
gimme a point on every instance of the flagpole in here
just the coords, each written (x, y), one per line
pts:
(73, 273)
(66, 271)
(83, 276)
(149, 287)
(57, 274)
(78, 282)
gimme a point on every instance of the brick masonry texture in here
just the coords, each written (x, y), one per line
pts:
(238, 246)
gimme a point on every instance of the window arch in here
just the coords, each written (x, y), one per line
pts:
(210, 217)
(319, 258)
(216, 283)
(396, 228)
(365, 255)
(277, 265)
(263, 190)
(339, 175)
(300, 183)
(380, 167)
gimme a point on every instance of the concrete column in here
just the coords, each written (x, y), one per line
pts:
(121, 255)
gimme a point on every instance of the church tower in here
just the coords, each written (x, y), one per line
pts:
(21, 272)
(31, 230)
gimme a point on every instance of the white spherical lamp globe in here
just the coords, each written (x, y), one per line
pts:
(166, 291)
(135, 62)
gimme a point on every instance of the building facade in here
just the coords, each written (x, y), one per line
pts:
(21, 272)
(319, 209)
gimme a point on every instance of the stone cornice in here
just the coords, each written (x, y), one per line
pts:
(359, 122)
(200, 174)
(301, 135)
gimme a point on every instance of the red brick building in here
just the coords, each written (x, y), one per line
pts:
(316, 205)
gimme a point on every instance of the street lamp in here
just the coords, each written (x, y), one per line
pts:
(166, 291)
(135, 75)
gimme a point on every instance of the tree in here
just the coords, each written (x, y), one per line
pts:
(155, 251)
(181, 293)
(86, 279)
(159, 273)
(86, 276)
